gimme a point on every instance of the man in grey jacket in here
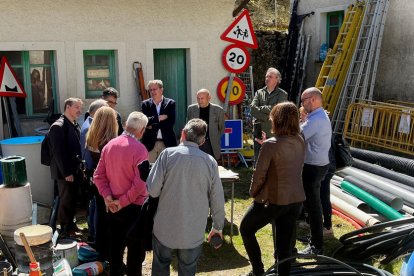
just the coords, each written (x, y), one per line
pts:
(213, 115)
(188, 185)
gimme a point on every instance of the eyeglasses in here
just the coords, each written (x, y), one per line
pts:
(111, 102)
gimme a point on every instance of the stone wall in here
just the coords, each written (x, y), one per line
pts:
(269, 54)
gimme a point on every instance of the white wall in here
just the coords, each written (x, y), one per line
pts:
(131, 28)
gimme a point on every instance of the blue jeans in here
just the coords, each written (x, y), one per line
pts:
(312, 177)
(258, 216)
(187, 259)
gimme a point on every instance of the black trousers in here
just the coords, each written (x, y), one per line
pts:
(257, 217)
(119, 225)
(326, 198)
(67, 202)
(312, 177)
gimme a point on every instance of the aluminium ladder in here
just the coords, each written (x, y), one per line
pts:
(359, 73)
(338, 58)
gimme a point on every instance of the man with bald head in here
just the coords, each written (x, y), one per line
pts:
(213, 115)
(262, 104)
(317, 132)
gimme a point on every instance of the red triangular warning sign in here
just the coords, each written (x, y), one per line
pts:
(241, 31)
(9, 85)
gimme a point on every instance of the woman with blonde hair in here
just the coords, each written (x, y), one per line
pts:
(277, 188)
(103, 129)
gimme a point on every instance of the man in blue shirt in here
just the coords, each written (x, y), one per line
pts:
(317, 132)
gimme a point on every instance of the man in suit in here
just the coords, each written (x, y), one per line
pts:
(213, 115)
(64, 137)
(160, 111)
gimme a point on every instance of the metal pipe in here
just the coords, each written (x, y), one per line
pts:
(359, 216)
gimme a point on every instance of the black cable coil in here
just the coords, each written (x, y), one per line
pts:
(390, 239)
(322, 265)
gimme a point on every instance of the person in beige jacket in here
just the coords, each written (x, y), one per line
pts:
(276, 188)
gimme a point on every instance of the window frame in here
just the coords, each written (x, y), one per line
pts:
(340, 14)
(26, 82)
(93, 94)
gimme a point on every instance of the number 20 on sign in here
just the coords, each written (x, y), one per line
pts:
(235, 58)
(238, 90)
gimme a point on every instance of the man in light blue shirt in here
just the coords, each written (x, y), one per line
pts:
(317, 132)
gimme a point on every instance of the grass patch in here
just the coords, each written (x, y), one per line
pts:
(231, 259)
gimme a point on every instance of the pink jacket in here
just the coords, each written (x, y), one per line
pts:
(117, 172)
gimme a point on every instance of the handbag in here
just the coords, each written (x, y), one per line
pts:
(343, 155)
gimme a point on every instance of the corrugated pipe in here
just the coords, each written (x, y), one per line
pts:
(392, 200)
(384, 172)
(407, 196)
(359, 216)
(353, 201)
(399, 164)
(372, 201)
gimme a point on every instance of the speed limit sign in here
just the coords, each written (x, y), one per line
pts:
(238, 90)
(235, 59)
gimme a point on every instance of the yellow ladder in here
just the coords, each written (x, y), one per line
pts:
(335, 66)
(362, 69)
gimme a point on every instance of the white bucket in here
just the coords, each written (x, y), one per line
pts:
(67, 249)
(15, 210)
(37, 174)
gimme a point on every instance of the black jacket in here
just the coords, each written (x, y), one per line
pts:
(167, 126)
(65, 146)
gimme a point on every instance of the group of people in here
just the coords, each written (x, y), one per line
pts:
(140, 163)
(289, 169)
(183, 183)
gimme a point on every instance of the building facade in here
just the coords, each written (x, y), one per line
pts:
(62, 49)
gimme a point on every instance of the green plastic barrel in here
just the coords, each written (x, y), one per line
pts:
(14, 171)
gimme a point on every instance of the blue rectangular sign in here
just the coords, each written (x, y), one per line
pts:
(233, 135)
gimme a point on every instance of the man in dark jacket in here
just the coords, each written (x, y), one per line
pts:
(64, 137)
(160, 111)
